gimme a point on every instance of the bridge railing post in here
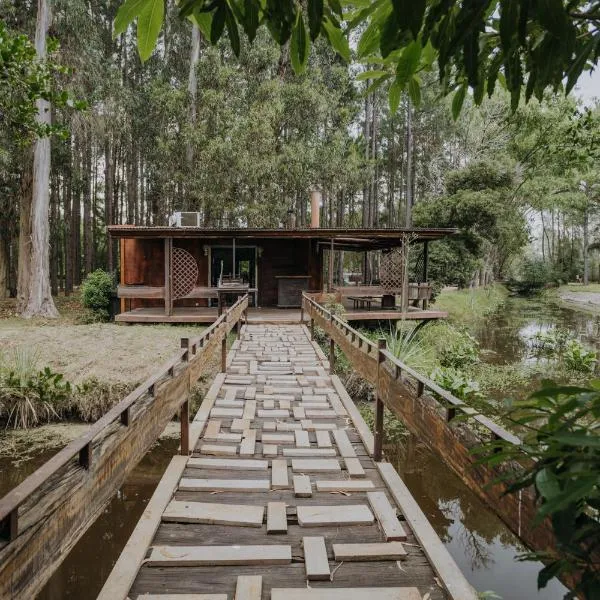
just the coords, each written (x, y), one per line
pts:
(331, 346)
(312, 330)
(184, 422)
(379, 406)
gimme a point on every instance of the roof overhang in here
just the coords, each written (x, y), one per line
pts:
(343, 239)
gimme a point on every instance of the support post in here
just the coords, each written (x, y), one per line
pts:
(379, 406)
(425, 271)
(312, 329)
(330, 285)
(185, 428)
(168, 277)
(331, 355)
(224, 354)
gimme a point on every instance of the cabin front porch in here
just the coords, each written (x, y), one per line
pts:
(265, 316)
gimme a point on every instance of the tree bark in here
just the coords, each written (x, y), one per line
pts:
(40, 301)
(24, 262)
(586, 244)
(193, 111)
(409, 166)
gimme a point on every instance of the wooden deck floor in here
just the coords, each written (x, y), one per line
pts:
(280, 498)
(265, 315)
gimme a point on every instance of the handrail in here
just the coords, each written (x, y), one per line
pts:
(81, 446)
(424, 383)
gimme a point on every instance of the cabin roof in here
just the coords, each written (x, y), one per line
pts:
(357, 239)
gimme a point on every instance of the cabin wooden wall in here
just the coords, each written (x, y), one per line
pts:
(143, 264)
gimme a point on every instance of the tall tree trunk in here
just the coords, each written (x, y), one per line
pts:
(24, 261)
(586, 244)
(87, 204)
(76, 213)
(193, 109)
(40, 301)
(409, 166)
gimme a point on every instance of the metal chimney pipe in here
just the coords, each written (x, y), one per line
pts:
(315, 209)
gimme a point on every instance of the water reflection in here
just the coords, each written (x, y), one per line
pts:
(88, 565)
(505, 337)
(480, 543)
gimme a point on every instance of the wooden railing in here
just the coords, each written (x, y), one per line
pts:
(431, 414)
(44, 516)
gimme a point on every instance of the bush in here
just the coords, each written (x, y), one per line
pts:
(560, 437)
(96, 292)
(577, 358)
(461, 351)
(457, 384)
(93, 398)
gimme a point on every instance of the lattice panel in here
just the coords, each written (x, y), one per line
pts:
(391, 270)
(184, 273)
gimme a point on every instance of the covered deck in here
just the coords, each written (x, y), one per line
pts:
(174, 274)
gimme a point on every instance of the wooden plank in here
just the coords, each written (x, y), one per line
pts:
(343, 443)
(349, 485)
(214, 514)
(249, 410)
(270, 450)
(386, 516)
(199, 556)
(227, 413)
(315, 558)
(249, 587)
(218, 450)
(299, 413)
(354, 468)
(323, 516)
(212, 429)
(278, 438)
(189, 484)
(309, 452)
(123, 573)
(315, 465)
(446, 568)
(273, 414)
(323, 439)
(361, 427)
(279, 474)
(302, 440)
(248, 445)
(229, 464)
(318, 414)
(368, 552)
(335, 401)
(183, 597)
(302, 486)
(240, 425)
(276, 517)
(359, 593)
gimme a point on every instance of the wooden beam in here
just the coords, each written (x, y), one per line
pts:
(168, 244)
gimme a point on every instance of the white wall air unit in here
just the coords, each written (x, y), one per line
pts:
(185, 219)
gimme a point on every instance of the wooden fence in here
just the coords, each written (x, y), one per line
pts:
(430, 413)
(44, 516)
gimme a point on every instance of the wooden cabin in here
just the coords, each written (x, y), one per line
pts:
(186, 274)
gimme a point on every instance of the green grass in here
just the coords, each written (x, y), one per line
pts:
(465, 306)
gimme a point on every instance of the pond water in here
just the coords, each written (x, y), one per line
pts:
(480, 543)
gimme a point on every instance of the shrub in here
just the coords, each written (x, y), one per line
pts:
(92, 398)
(561, 439)
(27, 400)
(462, 350)
(577, 358)
(96, 293)
(457, 383)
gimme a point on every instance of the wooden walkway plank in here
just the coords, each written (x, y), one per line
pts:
(386, 515)
(274, 454)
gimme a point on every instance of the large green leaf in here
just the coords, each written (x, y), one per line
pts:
(149, 22)
(315, 16)
(409, 15)
(365, 75)
(204, 22)
(128, 11)
(337, 40)
(414, 91)
(232, 30)
(408, 63)
(458, 100)
(394, 94)
(299, 45)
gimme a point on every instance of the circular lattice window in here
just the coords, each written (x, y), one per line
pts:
(185, 273)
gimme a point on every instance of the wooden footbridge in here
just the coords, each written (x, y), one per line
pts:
(280, 490)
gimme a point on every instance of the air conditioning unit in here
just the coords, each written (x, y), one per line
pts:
(185, 219)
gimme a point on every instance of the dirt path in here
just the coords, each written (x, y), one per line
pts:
(585, 300)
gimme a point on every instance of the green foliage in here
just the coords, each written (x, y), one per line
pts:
(394, 430)
(476, 44)
(29, 395)
(93, 398)
(411, 350)
(534, 274)
(96, 292)
(560, 427)
(457, 384)
(469, 306)
(577, 358)
(492, 228)
(563, 346)
(461, 351)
